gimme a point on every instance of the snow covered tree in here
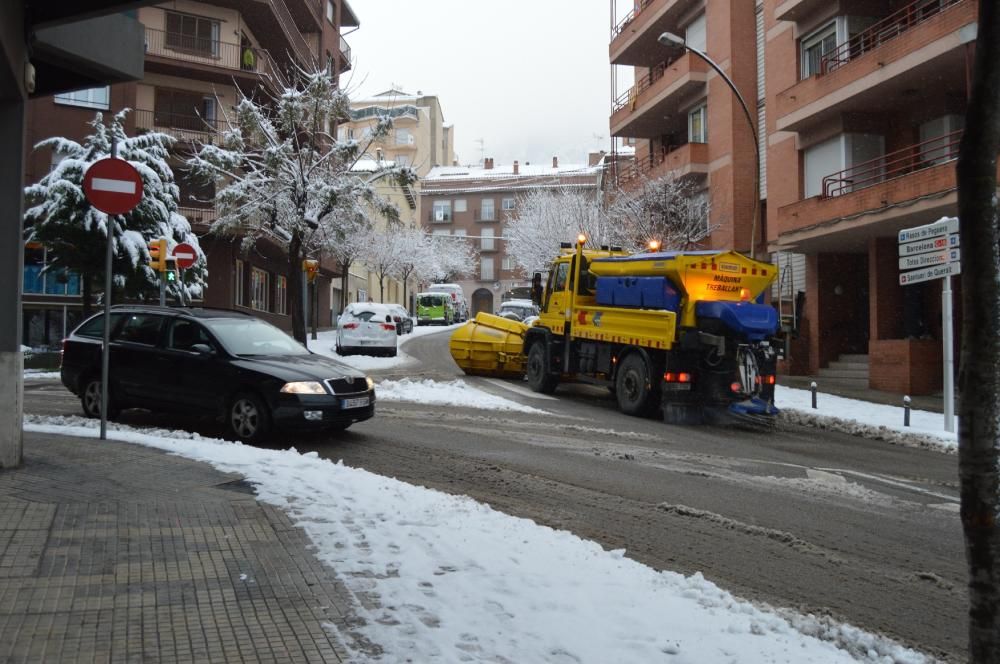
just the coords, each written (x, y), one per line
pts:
(670, 210)
(417, 245)
(383, 255)
(353, 237)
(60, 218)
(280, 175)
(449, 257)
(548, 217)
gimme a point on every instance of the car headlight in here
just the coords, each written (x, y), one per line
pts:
(303, 387)
(371, 383)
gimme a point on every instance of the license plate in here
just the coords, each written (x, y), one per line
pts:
(359, 402)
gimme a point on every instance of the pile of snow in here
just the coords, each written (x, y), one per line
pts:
(450, 579)
(866, 419)
(40, 374)
(451, 393)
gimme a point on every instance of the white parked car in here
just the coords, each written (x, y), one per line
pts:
(402, 318)
(517, 309)
(457, 299)
(366, 329)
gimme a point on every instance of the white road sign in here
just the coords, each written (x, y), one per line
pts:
(937, 229)
(927, 246)
(937, 272)
(927, 260)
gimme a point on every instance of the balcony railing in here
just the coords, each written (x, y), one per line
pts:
(183, 126)
(439, 217)
(629, 97)
(345, 52)
(485, 215)
(210, 52)
(624, 172)
(639, 6)
(893, 165)
(885, 30)
(197, 215)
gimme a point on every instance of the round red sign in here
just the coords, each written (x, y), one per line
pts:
(185, 256)
(112, 186)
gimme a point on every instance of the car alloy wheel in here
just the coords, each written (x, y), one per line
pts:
(248, 417)
(91, 400)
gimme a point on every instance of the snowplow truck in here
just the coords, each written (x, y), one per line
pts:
(685, 333)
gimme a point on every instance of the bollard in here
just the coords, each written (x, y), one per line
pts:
(906, 411)
(812, 387)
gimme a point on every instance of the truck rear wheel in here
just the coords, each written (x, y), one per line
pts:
(633, 386)
(539, 378)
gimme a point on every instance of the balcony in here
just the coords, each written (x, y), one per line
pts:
(690, 159)
(633, 39)
(884, 67)
(206, 59)
(905, 187)
(345, 56)
(274, 25)
(199, 217)
(639, 111)
(798, 10)
(187, 128)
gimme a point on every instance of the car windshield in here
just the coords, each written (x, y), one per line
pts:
(243, 336)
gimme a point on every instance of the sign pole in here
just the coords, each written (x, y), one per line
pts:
(949, 355)
(305, 303)
(163, 291)
(106, 347)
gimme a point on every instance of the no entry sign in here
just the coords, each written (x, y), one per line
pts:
(112, 186)
(185, 255)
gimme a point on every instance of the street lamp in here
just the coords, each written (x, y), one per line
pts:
(675, 42)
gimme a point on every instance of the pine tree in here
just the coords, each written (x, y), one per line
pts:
(60, 218)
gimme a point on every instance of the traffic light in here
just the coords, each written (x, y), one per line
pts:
(158, 255)
(170, 273)
(311, 268)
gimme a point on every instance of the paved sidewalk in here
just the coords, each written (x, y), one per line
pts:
(112, 552)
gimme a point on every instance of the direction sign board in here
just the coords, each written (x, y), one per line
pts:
(927, 246)
(927, 274)
(112, 186)
(185, 255)
(944, 227)
(926, 260)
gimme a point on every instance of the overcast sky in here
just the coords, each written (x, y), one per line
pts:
(530, 78)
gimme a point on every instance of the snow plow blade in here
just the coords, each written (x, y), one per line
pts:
(489, 346)
(754, 411)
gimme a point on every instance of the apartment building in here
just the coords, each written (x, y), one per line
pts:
(421, 140)
(683, 119)
(199, 56)
(866, 106)
(858, 107)
(474, 204)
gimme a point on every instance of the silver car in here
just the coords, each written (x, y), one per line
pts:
(366, 329)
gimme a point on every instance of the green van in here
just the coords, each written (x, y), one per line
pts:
(435, 309)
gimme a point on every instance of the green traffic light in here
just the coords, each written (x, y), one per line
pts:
(171, 276)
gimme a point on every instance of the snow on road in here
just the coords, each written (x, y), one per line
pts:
(457, 581)
(450, 393)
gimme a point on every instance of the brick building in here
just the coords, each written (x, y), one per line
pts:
(198, 55)
(475, 203)
(859, 106)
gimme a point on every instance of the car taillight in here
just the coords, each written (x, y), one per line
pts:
(350, 326)
(388, 326)
(62, 352)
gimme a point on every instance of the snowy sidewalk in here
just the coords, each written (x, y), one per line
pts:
(116, 552)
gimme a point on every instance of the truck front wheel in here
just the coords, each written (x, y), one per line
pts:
(633, 386)
(539, 378)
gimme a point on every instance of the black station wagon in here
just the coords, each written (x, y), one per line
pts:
(213, 362)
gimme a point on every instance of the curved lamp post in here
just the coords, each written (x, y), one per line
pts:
(676, 42)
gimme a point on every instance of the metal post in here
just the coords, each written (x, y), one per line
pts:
(949, 355)
(305, 303)
(106, 347)
(163, 291)
(906, 411)
(315, 316)
(812, 388)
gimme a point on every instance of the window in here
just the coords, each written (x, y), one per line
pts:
(487, 213)
(193, 34)
(461, 205)
(694, 33)
(139, 329)
(486, 268)
(281, 294)
(404, 137)
(89, 98)
(258, 289)
(329, 11)
(442, 211)
(939, 139)
(698, 125)
(94, 328)
(559, 281)
(486, 239)
(180, 109)
(238, 286)
(38, 278)
(185, 334)
(507, 204)
(507, 263)
(850, 161)
(403, 161)
(815, 46)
